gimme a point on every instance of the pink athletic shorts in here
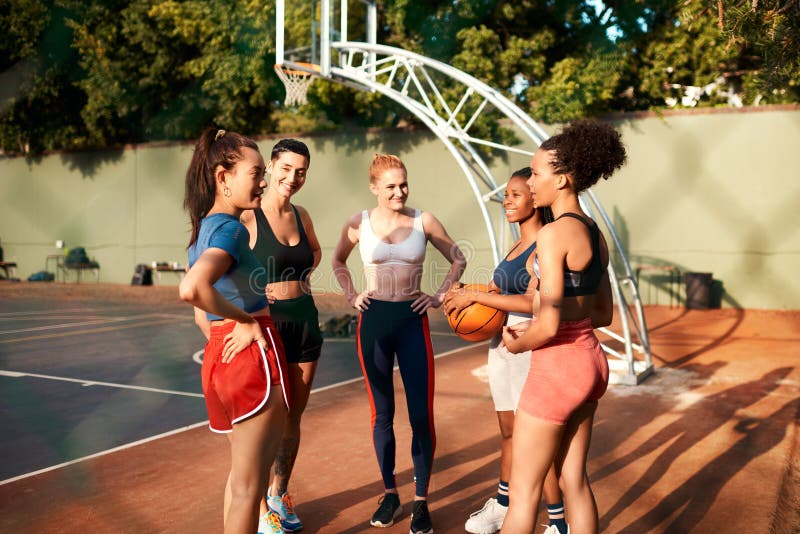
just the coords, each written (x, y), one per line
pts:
(570, 370)
(238, 389)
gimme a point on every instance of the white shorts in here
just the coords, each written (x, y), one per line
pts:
(507, 371)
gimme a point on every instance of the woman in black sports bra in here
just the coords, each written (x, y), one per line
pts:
(569, 371)
(283, 240)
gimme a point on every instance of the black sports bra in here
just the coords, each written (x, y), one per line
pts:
(282, 262)
(585, 282)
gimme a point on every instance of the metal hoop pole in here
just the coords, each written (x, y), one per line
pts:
(343, 21)
(325, 38)
(279, 16)
(372, 32)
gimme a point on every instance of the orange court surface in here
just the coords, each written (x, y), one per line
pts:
(709, 443)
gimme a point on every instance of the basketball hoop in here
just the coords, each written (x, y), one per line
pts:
(296, 82)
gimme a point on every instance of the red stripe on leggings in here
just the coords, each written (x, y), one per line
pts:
(366, 383)
(426, 330)
(364, 370)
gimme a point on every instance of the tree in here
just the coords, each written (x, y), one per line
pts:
(97, 73)
(771, 29)
(164, 70)
(39, 105)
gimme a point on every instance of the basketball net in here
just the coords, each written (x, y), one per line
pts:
(296, 83)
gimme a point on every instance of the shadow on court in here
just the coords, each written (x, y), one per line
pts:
(704, 445)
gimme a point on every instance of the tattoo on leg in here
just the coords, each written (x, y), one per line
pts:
(284, 462)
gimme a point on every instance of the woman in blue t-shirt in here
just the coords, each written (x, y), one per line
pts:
(244, 356)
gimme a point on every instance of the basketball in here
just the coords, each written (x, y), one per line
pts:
(477, 322)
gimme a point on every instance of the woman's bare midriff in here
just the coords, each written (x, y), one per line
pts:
(393, 282)
(289, 289)
(259, 313)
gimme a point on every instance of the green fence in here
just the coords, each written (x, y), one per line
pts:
(713, 192)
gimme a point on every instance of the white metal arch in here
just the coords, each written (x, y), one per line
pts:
(449, 102)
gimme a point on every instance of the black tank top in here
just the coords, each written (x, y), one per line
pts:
(282, 262)
(585, 282)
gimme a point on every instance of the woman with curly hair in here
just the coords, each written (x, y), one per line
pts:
(568, 372)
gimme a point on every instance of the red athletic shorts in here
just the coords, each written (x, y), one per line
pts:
(570, 370)
(238, 389)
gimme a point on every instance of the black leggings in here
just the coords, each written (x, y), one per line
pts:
(387, 329)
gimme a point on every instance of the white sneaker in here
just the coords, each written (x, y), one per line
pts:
(552, 529)
(488, 519)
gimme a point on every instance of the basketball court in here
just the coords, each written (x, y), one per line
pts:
(705, 444)
(83, 375)
(104, 420)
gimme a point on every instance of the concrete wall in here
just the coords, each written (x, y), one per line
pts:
(704, 192)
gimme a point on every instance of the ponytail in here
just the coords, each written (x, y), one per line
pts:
(215, 148)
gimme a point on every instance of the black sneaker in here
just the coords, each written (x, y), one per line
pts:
(387, 512)
(420, 518)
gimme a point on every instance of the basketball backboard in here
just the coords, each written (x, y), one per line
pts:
(305, 30)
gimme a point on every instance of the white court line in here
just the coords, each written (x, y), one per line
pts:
(102, 320)
(47, 312)
(67, 325)
(17, 374)
(50, 317)
(193, 426)
(103, 453)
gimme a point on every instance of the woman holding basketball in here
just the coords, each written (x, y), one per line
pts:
(569, 371)
(243, 358)
(284, 241)
(392, 239)
(510, 291)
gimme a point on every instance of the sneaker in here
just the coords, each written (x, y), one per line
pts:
(269, 523)
(552, 529)
(387, 512)
(282, 505)
(488, 519)
(420, 518)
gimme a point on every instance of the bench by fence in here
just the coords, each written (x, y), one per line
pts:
(10, 268)
(79, 268)
(63, 268)
(169, 268)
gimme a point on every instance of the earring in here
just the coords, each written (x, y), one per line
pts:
(226, 191)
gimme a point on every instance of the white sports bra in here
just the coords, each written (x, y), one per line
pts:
(375, 251)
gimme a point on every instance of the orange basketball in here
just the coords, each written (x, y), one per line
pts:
(477, 322)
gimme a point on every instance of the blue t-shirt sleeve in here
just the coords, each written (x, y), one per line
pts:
(230, 236)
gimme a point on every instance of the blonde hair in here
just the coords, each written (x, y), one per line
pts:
(383, 162)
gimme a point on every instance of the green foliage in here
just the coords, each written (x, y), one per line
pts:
(771, 30)
(39, 105)
(164, 70)
(23, 22)
(577, 87)
(95, 73)
(689, 51)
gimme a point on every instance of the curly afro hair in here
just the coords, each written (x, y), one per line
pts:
(587, 150)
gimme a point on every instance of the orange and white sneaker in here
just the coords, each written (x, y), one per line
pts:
(270, 523)
(284, 508)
